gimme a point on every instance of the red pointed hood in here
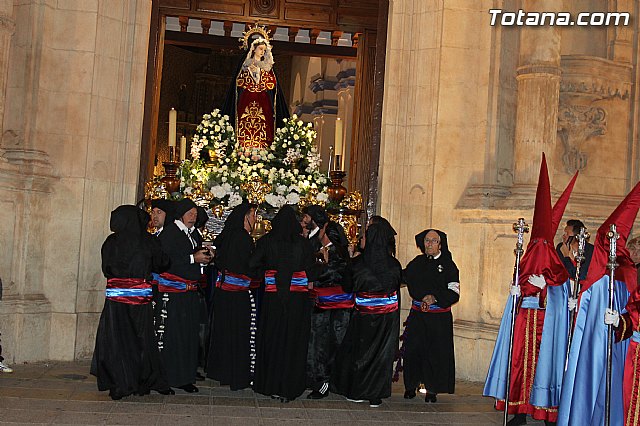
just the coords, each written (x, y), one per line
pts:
(541, 257)
(623, 217)
(561, 204)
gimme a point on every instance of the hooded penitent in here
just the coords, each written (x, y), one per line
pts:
(183, 206)
(623, 217)
(541, 257)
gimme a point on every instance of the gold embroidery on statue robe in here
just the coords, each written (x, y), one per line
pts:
(252, 132)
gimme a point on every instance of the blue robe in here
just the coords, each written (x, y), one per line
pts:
(496, 382)
(547, 383)
(583, 389)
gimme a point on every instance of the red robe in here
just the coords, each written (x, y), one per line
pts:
(255, 116)
(630, 322)
(527, 334)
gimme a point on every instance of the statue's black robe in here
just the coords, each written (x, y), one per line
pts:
(182, 325)
(363, 367)
(429, 354)
(126, 359)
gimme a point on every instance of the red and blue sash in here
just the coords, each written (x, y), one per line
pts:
(169, 283)
(433, 308)
(233, 282)
(333, 298)
(376, 303)
(299, 282)
(133, 291)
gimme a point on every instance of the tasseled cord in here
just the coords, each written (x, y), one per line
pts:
(400, 352)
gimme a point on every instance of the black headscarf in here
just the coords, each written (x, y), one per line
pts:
(285, 225)
(317, 214)
(232, 237)
(376, 254)
(126, 220)
(126, 223)
(389, 231)
(202, 217)
(444, 247)
(183, 206)
(164, 205)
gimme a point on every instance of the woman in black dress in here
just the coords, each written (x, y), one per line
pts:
(287, 261)
(126, 359)
(229, 359)
(363, 367)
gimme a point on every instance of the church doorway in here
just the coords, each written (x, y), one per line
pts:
(330, 66)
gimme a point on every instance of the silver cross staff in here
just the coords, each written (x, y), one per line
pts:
(612, 236)
(520, 227)
(575, 289)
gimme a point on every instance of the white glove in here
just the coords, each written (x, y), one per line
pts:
(515, 290)
(573, 303)
(611, 317)
(538, 281)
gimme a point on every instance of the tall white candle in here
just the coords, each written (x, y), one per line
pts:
(183, 148)
(173, 119)
(338, 142)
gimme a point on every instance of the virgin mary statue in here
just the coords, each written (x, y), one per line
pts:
(254, 101)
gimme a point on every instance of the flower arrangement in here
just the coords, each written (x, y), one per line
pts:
(291, 165)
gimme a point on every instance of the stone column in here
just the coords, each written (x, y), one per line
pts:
(7, 26)
(538, 79)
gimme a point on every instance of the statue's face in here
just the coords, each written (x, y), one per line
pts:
(258, 52)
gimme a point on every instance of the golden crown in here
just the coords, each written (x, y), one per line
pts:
(256, 29)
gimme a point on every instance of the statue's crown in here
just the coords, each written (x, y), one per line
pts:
(262, 31)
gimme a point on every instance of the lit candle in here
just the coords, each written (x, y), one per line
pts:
(338, 137)
(173, 118)
(183, 148)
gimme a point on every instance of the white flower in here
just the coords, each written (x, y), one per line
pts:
(218, 191)
(276, 201)
(296, 137)
(281, 189)
(293, 198)
(188, 190)
(323, 197)
(226, 187)
(300, 123)
(234, 200)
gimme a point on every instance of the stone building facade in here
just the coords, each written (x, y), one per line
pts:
(468, 110)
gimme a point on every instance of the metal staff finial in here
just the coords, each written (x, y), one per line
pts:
(583, 236)
(520, 227)
(612, 236)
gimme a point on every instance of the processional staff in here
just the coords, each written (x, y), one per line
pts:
(520, 227)
(613, 236)
(575, 288)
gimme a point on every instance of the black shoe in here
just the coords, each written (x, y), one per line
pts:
(199, 377)
(518, 419)
(168, 391)
(409, 394)
(431, 397)
(189, 388)
(115, 396)
(375, 403)
(317, 395)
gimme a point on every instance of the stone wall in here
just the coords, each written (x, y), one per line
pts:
(468, 111)
(70, 153)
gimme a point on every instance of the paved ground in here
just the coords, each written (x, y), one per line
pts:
(64, 393)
